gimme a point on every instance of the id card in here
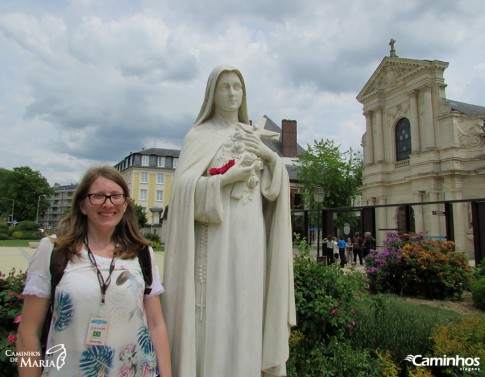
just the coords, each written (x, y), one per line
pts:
(97, 331)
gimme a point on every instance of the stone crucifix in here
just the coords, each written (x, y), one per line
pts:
(393, 51)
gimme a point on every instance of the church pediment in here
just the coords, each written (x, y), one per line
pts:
(395, 71)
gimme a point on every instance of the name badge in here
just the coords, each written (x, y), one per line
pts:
(97, 332)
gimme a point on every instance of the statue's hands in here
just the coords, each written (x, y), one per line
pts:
(256, 146)
(237, 173)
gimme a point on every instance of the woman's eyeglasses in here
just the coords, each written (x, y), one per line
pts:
(98, 199)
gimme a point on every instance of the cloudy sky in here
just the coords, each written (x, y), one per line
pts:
(89, 81)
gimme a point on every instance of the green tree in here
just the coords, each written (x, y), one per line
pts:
(338, 173)
(28, 189)
(141, 214)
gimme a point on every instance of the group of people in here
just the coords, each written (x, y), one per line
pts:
(348, 250)
(228, 302)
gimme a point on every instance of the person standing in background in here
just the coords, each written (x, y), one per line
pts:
(349, 250)
(341, 251)
(328, 242)
(369, 243)
(357, 246)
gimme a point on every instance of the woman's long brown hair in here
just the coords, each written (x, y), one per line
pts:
(73, 228)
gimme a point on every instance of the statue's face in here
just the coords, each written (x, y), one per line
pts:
(229, 92)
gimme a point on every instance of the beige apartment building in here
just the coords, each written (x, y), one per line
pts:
(420, 147)
(149, 174)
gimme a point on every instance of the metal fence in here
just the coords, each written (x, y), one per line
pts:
(461, 221)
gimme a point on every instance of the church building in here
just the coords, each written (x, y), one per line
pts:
(420, 147)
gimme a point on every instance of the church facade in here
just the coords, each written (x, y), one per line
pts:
(420, 147)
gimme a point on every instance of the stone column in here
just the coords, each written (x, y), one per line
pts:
(428, 124)
(381, 223)
(418, 212)
(378, 133)
(434, 229)
(369, 142)
(414, 119)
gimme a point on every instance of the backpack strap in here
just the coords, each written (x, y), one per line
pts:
(57, 265)
(146, 268)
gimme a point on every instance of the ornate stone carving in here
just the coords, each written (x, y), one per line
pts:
(390, 75)
(474, 137)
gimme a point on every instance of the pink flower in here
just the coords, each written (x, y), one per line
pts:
(335, 312)
(17, 319)
(19, 296)
(11, 338)
(10, 293)
(351, 325)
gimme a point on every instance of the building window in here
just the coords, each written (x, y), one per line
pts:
(159, 195)
(175, 160)
(145, 160)
(143, 194)
(403, 140)
(161, 162)
(160, 178)
(144, 177)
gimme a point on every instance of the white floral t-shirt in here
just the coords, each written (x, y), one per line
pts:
(128, 348)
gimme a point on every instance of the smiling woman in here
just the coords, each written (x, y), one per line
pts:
(102, 289)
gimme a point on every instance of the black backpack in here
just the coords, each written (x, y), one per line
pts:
(58, 263)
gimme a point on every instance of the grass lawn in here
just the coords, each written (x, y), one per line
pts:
(16, 243)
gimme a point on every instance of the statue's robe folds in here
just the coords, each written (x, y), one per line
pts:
(228, 267)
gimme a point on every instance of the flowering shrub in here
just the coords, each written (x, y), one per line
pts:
(323, 296)
(417, 266)
(324, 308)
(11, 287)
(465, 338)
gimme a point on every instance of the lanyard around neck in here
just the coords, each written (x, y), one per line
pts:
(103, 284)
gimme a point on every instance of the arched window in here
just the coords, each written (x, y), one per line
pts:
(403, 139)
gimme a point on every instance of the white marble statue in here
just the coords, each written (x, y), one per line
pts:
(228, 269)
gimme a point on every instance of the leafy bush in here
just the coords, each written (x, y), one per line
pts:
(4, 236)
(478, 293)
(465, 339)
(28, 226)
(152, 237)
(323, 297)
(18, 234)
(418, 266)
(480, 270)
(11, 287)
(396, 326)
(337, 359)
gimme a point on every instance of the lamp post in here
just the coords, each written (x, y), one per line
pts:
(38, 204)
(13, 204)
(318, 196)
